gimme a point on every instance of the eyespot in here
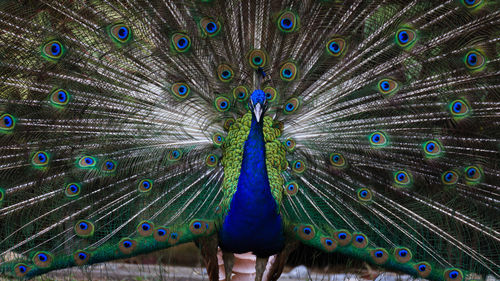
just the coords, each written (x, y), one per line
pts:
(337, 160)
(402, 179)
(127, 246)
(53, 50)
(459, 108)
(473, 174)
(210, 27)
(240, 93)
(222, 104)
(291, 188)
(175, 155)
(423, 269)
(87, 162)
(298, 166)
(198, 227)
(378, 139)
(336, 46)
(271, 94)
(387, 87)
(360, 241)
(405, 37)
(181, 42)
(7, 122)
(120, 33)
(40, 159)
(84, 228)
(211, 160)
(174, 238)
(225, 73)
(291, 106)
(364, 195)
(161, 234)
(21, 269)
(449, 177)
(257, 58)
(453, 274)
(43, 259)
(288, 71)
(328, 244)
(472, 4)
(217, 139)
(145, 228)
(402, 255)
(432, 149)
(145, 185)
(343, 237)
(180, 90)
(59, 98)
(81, 257)
(379, 255)
(306, 232)
(109, 166)
(72, 190)
(228, 123)
(287, 21)
(290, 144)
(474, 60)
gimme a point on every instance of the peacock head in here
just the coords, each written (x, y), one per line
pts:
(258, 103)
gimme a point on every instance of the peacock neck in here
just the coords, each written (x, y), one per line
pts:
(253, 222)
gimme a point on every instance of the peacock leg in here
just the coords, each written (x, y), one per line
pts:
(208, 247)
(260, 267)
(228, 259)
(280, 261)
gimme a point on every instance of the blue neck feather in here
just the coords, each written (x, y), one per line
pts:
(253, 222)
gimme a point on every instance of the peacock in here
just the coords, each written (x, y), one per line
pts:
(364, 128)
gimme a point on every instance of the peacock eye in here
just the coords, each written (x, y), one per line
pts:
(388, 87)
(40, 159)
(288, 71)
(449, 177)
(287, 21)
(59, 98)
(336, 46)
(364, 194)
(120, 33)
(270, 93)
(291, 106)
(210, 27)
(257, 58)
(225, 73)
(291, 188)
(337, 160)
(432, 149)
(53, 50)
(84, 228)
(87, 162)
(474, 60)
(211, 160)
(7, 122)
(471, 4)
(221, 104)
(378, 139)
(402, 179)
(240, 93)
(459, 108)
(217, 139)
(473, 174)
(406, 37)
(181, 42)
(72, 190)
(174, 155)
(298, 166)
(145, 185)
(180, 90)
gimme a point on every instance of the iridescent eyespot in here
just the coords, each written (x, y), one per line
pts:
(180, 90)
(84, 228)
(181, 42)
(53, 50)
(271, 94)
(291, 188)
(290, 144)
(423, 269)
(7, 122)
(387, 87)
(174, 155)
(336, 46)
(145, 228)
(360, 241)
(120, 33)
(291, 106)
(402, 179)
(364, 195)
(298, 166)
(328, 244)
(287, 21)
(473, 174)
(288, 71)
(402, 255)
(472, 4)
(40, 159)
(145, 185)
(209, 27)
(198, 227)
(305, 232)
(217, 139)
(87, 162)
(240, 93)
(59, 98)
(475, 60)
(222, 104)
(174, 238)
(43, 259)
(257, 58)
(72, 190)
(211, 160)
(228, 123)
(161, 234)
(109, 166)
(337, 160)
(459, 109)
(405, 37)
(432, 149)
(449, 177)
(379, 256)
(225, 73)
(127, 246)
(81, 257)
(343, 237)
(378, 139)
(453, 274)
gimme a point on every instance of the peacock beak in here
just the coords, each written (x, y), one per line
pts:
(257, 110)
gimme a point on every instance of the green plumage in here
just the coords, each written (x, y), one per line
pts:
(123, 126)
